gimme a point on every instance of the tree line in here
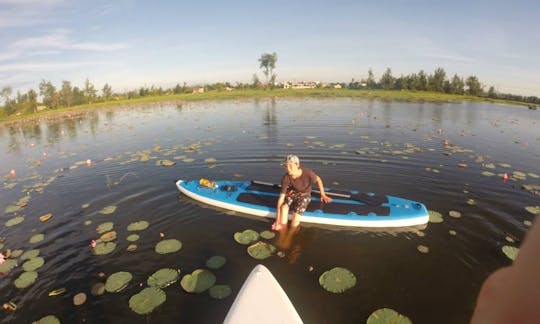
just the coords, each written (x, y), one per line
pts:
(67, 95)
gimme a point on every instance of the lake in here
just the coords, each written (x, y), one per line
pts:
(450, 156)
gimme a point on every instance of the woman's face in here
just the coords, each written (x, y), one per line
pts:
(291, 168)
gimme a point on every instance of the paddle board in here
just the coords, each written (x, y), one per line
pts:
(348, 208)
(262, 300)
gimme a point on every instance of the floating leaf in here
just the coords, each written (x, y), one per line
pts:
(84, 206)
(535, 210)
(138, 226)
(423, 248)
(435, 217)
(37, 238)
(117, 281)
(104, 227)
(210, 160)
(267, 235)
(8, 265)
(510, 251)
(79, 299)
(131, 247)
(337, 280)
(487, 174)
(220, 291)
(15, 221)
(387, 316)
(26, 279)
(246, 237)
(29, 254)
(45, 218)
(11, 209)
(107, 237)
(98, 289)
(261, 250)
(49, 319)
(163, 278)
(33, 264)
(132, 238)
(147, 300)
(471, 202)
(454, 214)
(216, 262)
(452, 232)
(165, 163)
(103, 248)
(168, 246)
(198, 281)
(57, 292)
(16, 253)
(87, 222)
(108, 210)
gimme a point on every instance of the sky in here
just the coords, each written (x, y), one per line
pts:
(130, 43)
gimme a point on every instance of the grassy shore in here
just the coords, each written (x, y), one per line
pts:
(412, 96)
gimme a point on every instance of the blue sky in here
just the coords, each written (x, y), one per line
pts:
(129, 43)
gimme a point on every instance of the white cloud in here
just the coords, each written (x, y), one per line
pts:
(59, 40)
(48, 66)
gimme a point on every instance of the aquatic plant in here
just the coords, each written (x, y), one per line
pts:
(147, 300)
(386, 316)
(138, 226)
(168, 246)
(107, 237)
(510, 251)
(220, 291)
(132, 238)
(97, 289)
(535, 210)
(454, 213)
(49, 319)
(131, 247)
(163, 278)
(261, 250)
(267, 235)
(435, 217)
(11, 209)
(108, 210)
(8, 265)
(165, 163)
(103, 248)
(26, 279)
(337, 280)
(37, 238)
(104, 227)
(198, 281)
(79, 299)
(422, 248)
(33, 264)
(14, 221)
(246, 237)
(45, 218)
(30, 254)
(215, 262)
(117, 281)
(16, 253)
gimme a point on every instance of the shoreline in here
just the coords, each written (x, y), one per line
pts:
(384, 95)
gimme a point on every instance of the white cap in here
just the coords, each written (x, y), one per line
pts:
(291, 159)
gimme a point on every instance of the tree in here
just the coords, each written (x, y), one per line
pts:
(66, 94)
(370, 82)
(491, 92)
(422, 81)
(387, 80)
(256, 82)
(9, 107)
(89, 91)
(106, 91)
(474, 86)
(32, 101)
(49, 94)
(268, 64)
(436, 81)
(456, 85)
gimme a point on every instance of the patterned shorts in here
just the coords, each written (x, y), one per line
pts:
(297, 201)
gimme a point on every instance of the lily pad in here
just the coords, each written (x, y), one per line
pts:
(423, 248)
(147, 300)
(132, 238)
(131, 247)
(487, 174)
(165, 163)
(138, 226)
(435, 217)
(387, 316)
(108, 210)
(15, 221)
(103, 248)
(26, 279)
(198, 281)
(11, 209)
(216, 262)
(37, 238)
(45, 218)
(79, 299)
(168, 246)
(117, 281)
(8, 265)
(535, 210)
(30, 254)
(84, 206)
(33, 264)
(220, 291)
(107, 237)
(104, 227)
(510, 251)
(267, 235)
(454, 213)
(49, 319)
(246, 237)
(261, 250)
(163, 278)
(16, 253)
(337, 280)
(98, 289)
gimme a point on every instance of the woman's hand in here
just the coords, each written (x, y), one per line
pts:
(326, 199)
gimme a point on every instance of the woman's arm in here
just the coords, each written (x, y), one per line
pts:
(324, 197)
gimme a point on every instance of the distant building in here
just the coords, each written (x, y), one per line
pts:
(41, 108)
(301, 85)
(337, 86)
(198, 90)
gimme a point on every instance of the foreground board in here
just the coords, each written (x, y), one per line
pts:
(347, 208)
(261, 300)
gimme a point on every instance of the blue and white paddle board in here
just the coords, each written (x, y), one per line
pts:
(346, 209)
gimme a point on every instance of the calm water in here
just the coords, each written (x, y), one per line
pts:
(384, 147)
